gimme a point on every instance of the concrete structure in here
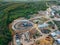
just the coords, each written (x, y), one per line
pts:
(22, 25)
(44, 25)
(18, 42)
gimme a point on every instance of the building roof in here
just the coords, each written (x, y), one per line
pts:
(57, 32)
(58, 40)
(53, 34)
(43, 25)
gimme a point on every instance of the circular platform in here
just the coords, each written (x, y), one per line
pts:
(20, 25)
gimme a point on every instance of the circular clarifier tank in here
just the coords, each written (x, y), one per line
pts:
(22, 25)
